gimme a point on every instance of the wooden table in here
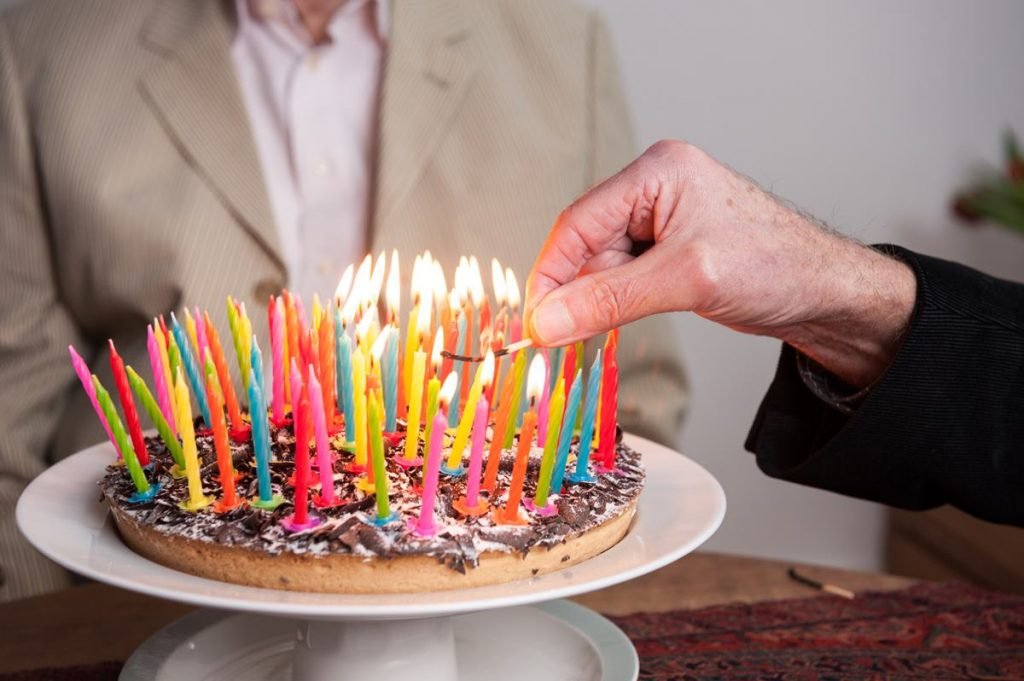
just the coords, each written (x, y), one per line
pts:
(94, 623)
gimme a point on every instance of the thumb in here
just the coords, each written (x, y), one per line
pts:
(600, 301)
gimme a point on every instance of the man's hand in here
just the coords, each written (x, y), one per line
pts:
(719, 246)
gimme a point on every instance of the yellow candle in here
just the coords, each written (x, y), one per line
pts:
(196, 499)
(480, 381)
(359, 393)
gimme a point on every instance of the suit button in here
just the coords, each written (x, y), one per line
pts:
(266, 288)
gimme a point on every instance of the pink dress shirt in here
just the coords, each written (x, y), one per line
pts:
(312, 110)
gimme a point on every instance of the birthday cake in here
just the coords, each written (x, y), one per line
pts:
(334, 481)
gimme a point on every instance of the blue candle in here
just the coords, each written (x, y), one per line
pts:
(261, 440)
(571, 409)
(191, 368)
(390, 368)
(587, 431)
(256, 366)
(453, 410)
(343, 369)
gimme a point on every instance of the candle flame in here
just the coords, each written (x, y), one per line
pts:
(498, 283)
(440, 284)
(393, 292)
(376, 280)
(512, 289)
(535, 378)
(454, 302)
(344, 286)
(377, 351)
(417, 276)
(487, 370)
(444, 396)
(423, 315)
(363, 329)
(435, 353)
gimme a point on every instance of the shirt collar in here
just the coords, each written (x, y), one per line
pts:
(285, 14)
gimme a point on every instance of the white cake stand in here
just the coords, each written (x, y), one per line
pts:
(491, 632)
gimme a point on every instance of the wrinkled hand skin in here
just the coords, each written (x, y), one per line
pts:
(725, 249)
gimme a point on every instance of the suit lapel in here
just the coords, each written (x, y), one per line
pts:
(428, 71)
(195, 94)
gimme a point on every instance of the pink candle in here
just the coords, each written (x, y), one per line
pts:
(157, 365)
(277, 331)
(82, 370)
(201, 339)
(472, 504)
(323, 448)
(425, 526)
(545, 399)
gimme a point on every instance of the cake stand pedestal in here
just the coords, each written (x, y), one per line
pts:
(505, 631)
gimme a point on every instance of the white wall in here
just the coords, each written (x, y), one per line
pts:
(866, 113)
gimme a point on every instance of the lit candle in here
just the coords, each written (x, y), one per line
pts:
(419, 360)
(278, 332)
(412, 333)
(509, 399)
(390, 369)
(223, 375)
(609, 403)
(547, 465)
(131, 414)
(572, 408)
(225, 469)
(472, 504)
(509, 515)
(82, 370)
(484, 374)
(359, 409)
(512, 291)
(518, 397)
(323, 447)
(581, 474)
(425, 526)
(144, 492)
(192, 370)
(480, 300)
(156, 416)
(453, 411)
(451, 332)
(196, 499)
(545, 398)
(380, 471)
(433, 385)
(156, 365)
(344, 373)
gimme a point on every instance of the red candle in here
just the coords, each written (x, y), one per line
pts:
(327, 377)
(131, 415)
(225, 470)
(223, 376)
(609, 402)
(569, 365)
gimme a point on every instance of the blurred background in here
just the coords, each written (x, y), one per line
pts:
(870, 115)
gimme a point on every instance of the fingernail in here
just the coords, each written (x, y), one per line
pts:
(552, 322)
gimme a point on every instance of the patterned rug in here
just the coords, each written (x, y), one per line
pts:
(930, 631)
(938, 632)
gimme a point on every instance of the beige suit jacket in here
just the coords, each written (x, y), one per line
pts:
(130, 185)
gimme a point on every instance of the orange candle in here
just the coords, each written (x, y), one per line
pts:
(510, 515)
(223, 376)
(229, 499)
(505, 412)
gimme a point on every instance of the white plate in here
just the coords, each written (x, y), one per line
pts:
(61, 514)
(556, 640)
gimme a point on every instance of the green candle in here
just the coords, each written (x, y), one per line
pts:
(519, 372)
(123, 443)
(547, 464)
(173, 358)
(380, 472)
(238, 340)
(156, 416)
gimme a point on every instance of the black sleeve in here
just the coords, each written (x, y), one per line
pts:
(943, 425)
